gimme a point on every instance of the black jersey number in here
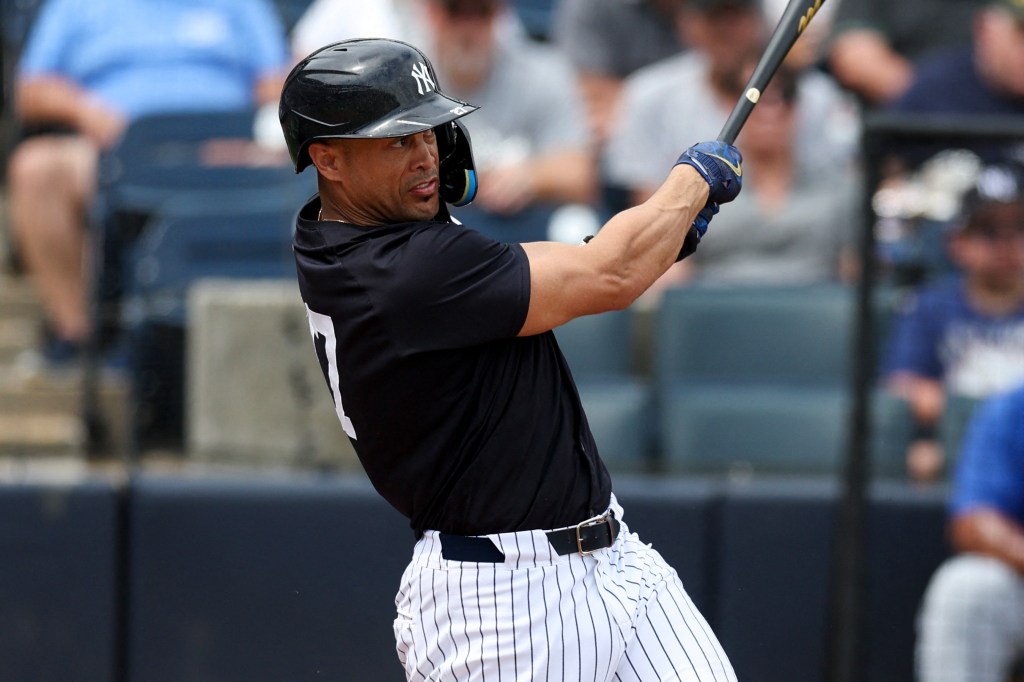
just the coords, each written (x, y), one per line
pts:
(321, 327)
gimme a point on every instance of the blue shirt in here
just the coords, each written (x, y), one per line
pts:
(948, 82)
(940, 335)
(990, 470)
(146, 56)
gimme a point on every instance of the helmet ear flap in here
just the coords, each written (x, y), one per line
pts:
(457, 170)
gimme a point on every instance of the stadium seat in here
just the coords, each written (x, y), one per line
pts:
(714, 428)
(892, 431)
(749, 335)
(758, 380)
(179, 248)
(159, 165)
(196, 240)
(953, 425)
(753, 379)
(618, 403)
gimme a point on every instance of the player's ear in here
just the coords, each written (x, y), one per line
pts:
(327, 159)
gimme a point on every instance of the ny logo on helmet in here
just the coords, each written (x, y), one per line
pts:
(424, 83)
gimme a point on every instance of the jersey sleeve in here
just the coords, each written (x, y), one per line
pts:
(455, 288)
(990, 470)
(913, 347)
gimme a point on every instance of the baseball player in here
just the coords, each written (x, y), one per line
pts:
(437, 348)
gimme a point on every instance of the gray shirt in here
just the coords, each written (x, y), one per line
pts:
(614, 37)
(669, 106)
(530, 105)
(798, 242)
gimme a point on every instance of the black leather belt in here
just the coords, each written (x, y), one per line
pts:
(585, 538)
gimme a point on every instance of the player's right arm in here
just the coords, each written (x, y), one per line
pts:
(633, 249)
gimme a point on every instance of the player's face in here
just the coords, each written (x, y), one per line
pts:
(388, 180)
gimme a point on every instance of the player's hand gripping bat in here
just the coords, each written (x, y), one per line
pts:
(797, 15)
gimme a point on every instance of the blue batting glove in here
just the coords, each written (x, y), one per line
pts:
(720, 164)
(697, 230)
(703, 218)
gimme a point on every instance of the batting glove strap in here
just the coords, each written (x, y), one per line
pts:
(697, 230)
(720, 164)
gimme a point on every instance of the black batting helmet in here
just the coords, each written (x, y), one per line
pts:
(371, 88)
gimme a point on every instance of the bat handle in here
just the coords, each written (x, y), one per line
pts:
(739, 115)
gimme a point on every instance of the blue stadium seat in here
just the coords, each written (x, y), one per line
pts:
(159, 166)
(196, 240)
(193, 241)
(953, 425)
(771, 335)
(892, 431)
(618, 403)
(599, 345)
(757, 380)
(753, 379)
(718, 428)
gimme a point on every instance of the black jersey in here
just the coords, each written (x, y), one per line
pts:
(461, 425)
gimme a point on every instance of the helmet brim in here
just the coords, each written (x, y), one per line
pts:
(428, 113)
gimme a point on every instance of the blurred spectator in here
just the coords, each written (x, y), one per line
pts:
(793, 224)
(964, 334)
(530, 141)
(875, 42)
(89, 68)
(607, 40)
(328, 21)
(690, 95)
(809, 51)
(971, 625)
(983, 77)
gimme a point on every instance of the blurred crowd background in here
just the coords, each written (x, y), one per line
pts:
(848, 315)
(146, 301)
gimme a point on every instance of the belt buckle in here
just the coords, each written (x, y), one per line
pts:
(595, 521)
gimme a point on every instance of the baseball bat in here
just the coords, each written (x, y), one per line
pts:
(795, 17)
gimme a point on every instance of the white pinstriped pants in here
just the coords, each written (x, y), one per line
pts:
(619, 614)
(971, 625)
